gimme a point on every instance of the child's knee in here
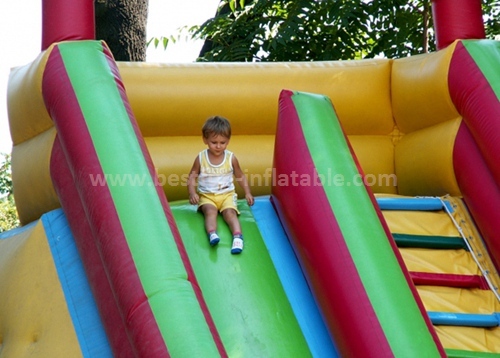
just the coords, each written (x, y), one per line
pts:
(209, 210)
(229, 213)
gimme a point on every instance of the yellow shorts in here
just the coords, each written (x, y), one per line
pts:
(220, 201)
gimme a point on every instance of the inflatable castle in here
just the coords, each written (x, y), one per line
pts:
(375, 227)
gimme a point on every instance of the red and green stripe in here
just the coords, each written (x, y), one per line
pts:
(474, 84)
(348, 258)
(139, 245)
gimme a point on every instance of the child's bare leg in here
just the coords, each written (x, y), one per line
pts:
(231, 218)
(210, 212)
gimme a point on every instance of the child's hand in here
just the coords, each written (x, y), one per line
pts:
(250, 199)
(194, 199)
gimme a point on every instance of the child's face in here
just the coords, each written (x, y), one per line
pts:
(216, 144)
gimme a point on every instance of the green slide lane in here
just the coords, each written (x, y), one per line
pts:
(243, 292)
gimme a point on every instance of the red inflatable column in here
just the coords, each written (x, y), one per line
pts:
(64, 20)
(457, 20)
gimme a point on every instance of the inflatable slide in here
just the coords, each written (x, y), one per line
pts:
(373, 234)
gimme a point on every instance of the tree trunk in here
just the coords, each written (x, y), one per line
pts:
(122, 25)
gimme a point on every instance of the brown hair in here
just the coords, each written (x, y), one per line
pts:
(216, 125)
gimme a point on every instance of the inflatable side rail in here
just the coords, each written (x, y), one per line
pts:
(354, 269)
(118, 227)
(424, 203)
(477, 146)
(465, 319)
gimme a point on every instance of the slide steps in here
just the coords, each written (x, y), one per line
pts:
(449, 265)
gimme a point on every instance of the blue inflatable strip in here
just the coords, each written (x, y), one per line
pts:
(412, 204)
(293, 280)
(80, 301)
(464, 319)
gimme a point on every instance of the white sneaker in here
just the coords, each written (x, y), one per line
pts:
(237, 247)
(213, 238)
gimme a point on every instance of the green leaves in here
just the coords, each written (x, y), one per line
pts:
(163, 40)
(8, 212)
(315, 30)
(5, 175)
(182, 32)
(234, 3)
(491, 9)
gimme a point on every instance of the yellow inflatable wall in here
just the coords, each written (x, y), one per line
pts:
(397, 113)
(34, 320)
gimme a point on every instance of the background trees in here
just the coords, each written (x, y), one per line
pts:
(314, 30)
(8, 212)
(491, 11)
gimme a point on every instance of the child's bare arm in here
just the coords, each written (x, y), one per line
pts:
(191, 184)
(242, 180)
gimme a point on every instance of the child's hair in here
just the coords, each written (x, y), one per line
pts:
(216, 125)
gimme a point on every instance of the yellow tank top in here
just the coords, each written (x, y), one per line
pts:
(215, 179)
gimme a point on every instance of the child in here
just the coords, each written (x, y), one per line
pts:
(214, 168)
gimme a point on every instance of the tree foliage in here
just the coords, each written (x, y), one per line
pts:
(314, 30)
(491, 11)
(5, 175)
(8, 212)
